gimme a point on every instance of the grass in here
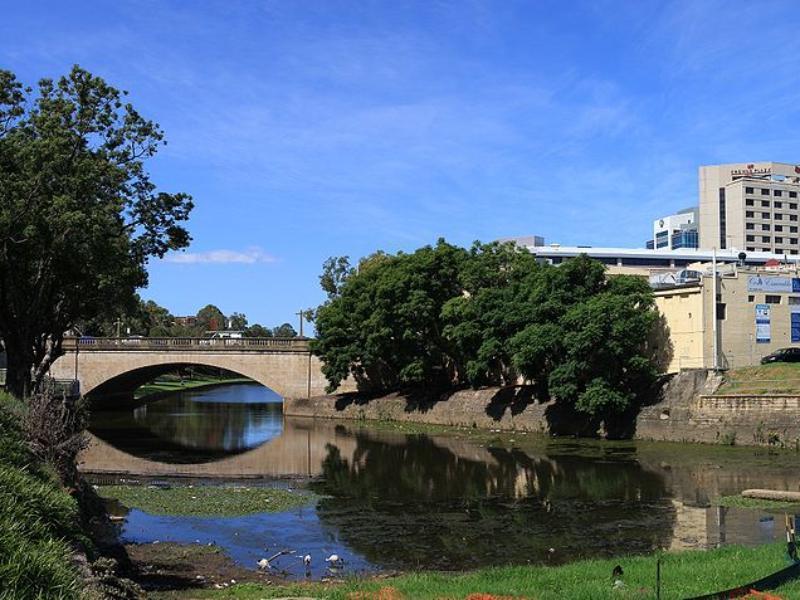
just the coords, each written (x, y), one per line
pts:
(757, 503)
(683, 575)
(207, 501)
(172, 384)
(38, 520)
(775, 378)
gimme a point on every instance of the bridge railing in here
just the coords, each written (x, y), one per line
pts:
(185, 343)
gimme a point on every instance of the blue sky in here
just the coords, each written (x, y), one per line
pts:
(306, 129)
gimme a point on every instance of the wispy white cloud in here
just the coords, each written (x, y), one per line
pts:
(249, 256)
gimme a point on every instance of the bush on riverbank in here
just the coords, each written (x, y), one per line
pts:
(39, 520)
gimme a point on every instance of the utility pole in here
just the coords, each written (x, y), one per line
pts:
(714, 325)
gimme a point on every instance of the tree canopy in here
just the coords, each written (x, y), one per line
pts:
(490, 315)
(80, 216)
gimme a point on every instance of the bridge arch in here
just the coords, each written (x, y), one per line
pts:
(123, 385)
(115, 367)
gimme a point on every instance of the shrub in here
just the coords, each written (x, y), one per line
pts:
(38, 519)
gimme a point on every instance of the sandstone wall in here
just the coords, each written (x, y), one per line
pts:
(687, 411)
(493, 408)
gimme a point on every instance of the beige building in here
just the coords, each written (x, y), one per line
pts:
(758, 312)
(750, 206)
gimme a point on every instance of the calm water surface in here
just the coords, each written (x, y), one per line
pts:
(394, 500)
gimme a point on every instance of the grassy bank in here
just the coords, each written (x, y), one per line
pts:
(39, 520)
(684, 575)
(164, 385)
(776, 378)
(758, 503)
(206, 501)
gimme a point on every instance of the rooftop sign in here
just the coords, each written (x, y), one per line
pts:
(751, 170)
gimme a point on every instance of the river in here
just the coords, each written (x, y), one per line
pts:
(398, 500)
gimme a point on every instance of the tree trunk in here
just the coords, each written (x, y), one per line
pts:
(19, 365)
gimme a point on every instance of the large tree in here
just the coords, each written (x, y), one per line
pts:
(79, 214)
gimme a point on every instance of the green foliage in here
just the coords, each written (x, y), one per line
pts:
(210, 318)
(384, 325)
(284, 330)
(38, 520)
(80, 217)
(208, 501)
(489, 316)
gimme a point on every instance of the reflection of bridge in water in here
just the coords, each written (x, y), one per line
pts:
(299, 451)
(110, 369)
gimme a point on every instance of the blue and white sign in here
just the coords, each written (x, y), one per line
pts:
(756, 283)
(795, 312)
(763, 332)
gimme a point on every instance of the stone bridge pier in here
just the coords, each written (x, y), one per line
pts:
(110, 369)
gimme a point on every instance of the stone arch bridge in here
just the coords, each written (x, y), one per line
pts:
(110, 369)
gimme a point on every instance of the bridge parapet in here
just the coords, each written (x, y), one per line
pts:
(193, 344)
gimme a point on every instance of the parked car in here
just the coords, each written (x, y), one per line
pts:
(787, 355)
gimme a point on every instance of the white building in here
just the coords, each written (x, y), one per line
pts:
(676, 231)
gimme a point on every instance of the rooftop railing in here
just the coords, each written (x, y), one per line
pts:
(126, 344)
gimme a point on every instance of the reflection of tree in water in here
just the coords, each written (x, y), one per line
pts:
(167, 429)
(420, 503)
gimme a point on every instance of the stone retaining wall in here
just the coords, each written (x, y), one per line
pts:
(688, 411)
(493, 408)
(726, 419)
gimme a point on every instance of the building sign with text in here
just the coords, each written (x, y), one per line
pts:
(778, 285)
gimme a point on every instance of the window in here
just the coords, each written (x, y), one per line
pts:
(779, 216)
(720, 311)
(794, 300)
(793, 229)
(778, 227)
(749, 202)
(778, 250)
(765, 227)
(749, 214)
(748, 190)
(793, 241)
(778, 240)
(749, 226)
(792, 194)
(723, 238)
(792, 251)
(751, 238)
(765, 215)
(752, 298)
(778, 193)
(764, 192)
(792, 206)
(778, 205)
(765, 203)
(765, 239)
(770, 299)
(793, 217)
(751, 249)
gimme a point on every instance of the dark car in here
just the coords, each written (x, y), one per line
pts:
(783, 355)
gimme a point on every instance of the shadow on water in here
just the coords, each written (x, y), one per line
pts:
(393, 500)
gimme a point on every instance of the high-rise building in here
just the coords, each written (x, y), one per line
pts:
(676, 231)
(750, 206)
